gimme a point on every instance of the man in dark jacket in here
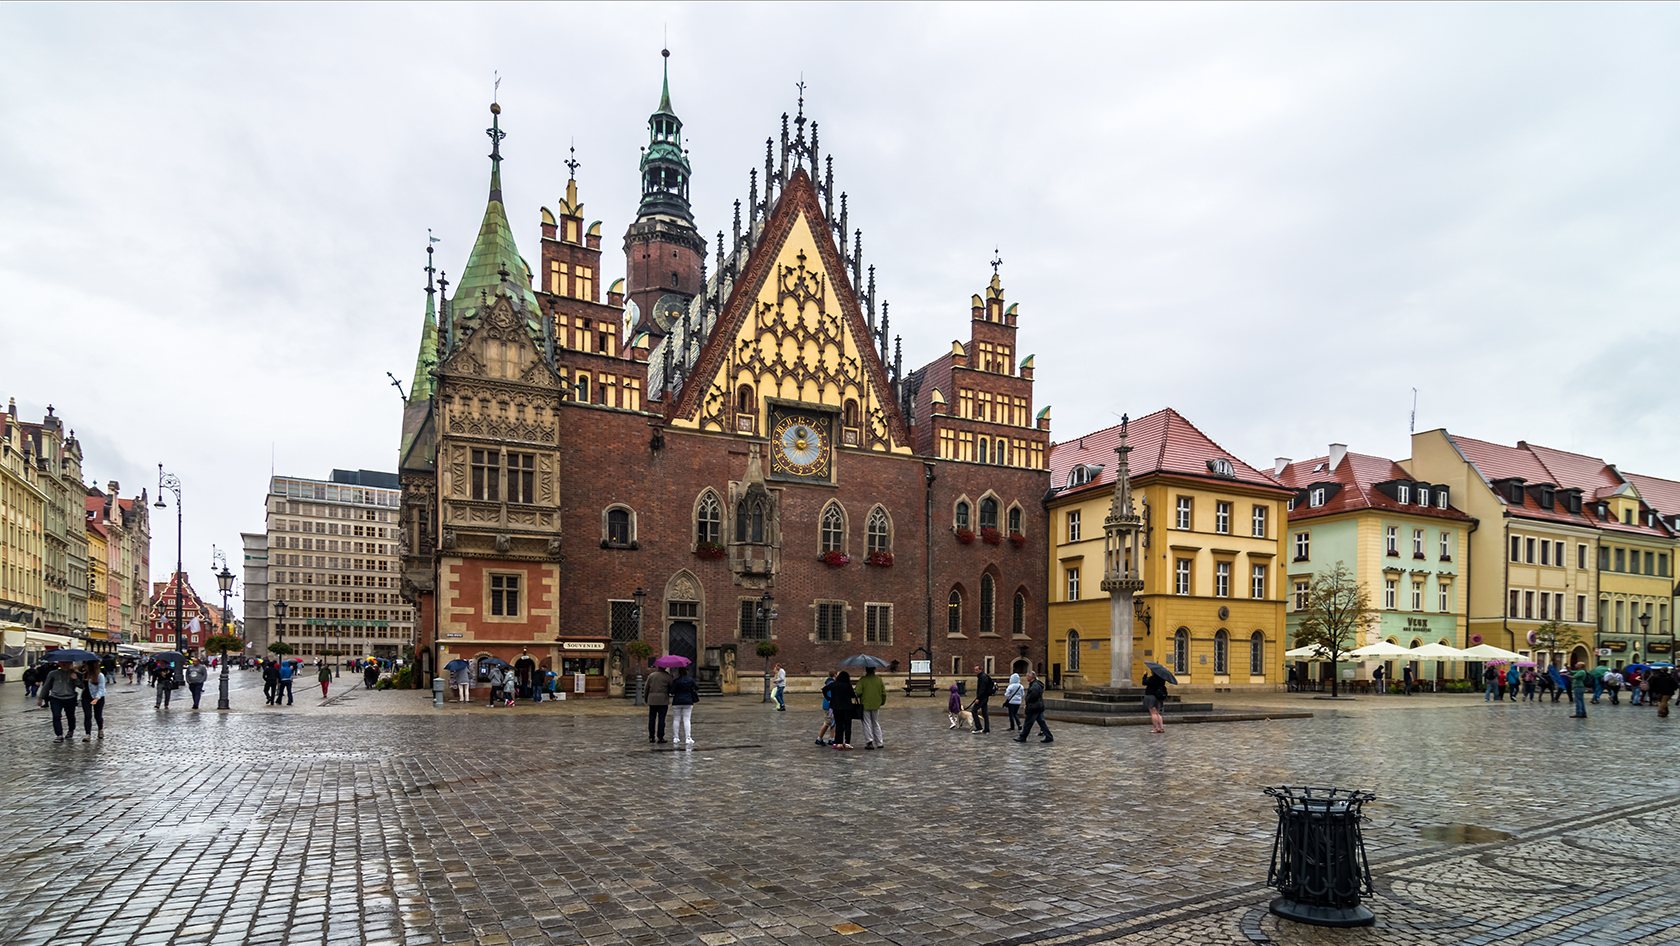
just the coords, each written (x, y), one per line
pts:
(370, 675)
(658, 702)
(196, 675)
(1035, 710)
(1663, 687)
(271, 681)
(61, 690)
(984, 688)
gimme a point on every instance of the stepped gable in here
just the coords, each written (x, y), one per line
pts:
(1162, 442)
(798, 201)
(1358, 474)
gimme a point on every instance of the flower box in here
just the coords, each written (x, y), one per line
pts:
(835, 559)
(965, 536)
(880, 559)
(991, 536)
(1017, 539)
(709, 551)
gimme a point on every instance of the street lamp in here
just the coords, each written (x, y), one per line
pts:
(224, 583)
(640, 598)
(1644, 630)
(172, 483)
(766, 614)
(280, 614)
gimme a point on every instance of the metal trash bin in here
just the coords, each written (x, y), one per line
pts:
(438, 684)
(1318, 857)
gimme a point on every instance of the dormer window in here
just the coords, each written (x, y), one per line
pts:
(1403, 493)
(1222, 467)
(1575, 503)
(1516, 494)
(1083, 473)
(1315, 497)
(1423, 496)
(1546, 497)
(1440, 497)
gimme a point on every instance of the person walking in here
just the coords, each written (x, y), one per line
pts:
(1155, 697)
(284, 685)
(1409, 677)
(658, 702)
(1663, 686)
(1377, 676)
(984, 688)
(322, 676)
(1580, 686)
(1513, 681)
(61, 691)
(370, 675)
(166, 684)
(497, 678)
(93, 701)
(828, 712)
(779, 689)
(1528, 684)
(841, 697)
(1490, 676)
(462, 677)
(953, 705)
(1035, 710)
(872, 695)
(684, 694)
(1012, 696)
(271, 681)
(196, 675)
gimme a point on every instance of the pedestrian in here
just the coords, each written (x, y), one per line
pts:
(271, 681)
(1034, 710)
(287, 671)
(166, 684)
(93, 701)
(953, 706)
(1012, 696)
(497, 678)
(1528, 684)
(841, 697)
(196, 675)
(1636, 693)
(324, 677)
(1513, 678)
(370, 676)
(684, 694)
(658, 702)
(61, 690)
(1490, 676)
(1155, 697)
(1597, 686)
(1377, 676)
(1293, 685)
(1546, 685)
(984, 688)
(871, 696)
(828, 712)
(779, 689)
(1663, 686)
(31, 681)
(1580, 686)
(1409, 677)
(510, 686)
(463, 679)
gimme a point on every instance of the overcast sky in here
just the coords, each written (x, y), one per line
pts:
(1277, 219)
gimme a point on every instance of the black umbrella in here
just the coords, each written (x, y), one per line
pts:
(456, 664)
(169, 657)
(863, 660)
(495, 662)
(1160, 671)
(70, 655)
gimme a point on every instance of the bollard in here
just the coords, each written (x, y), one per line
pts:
(438, 683)
(1318, 857)
(641, 693)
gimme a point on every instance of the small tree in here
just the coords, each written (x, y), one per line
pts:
(767, 649)
(280, 648)
(1556, 636)
(1337, 612)
(224, 644)
(641, 651)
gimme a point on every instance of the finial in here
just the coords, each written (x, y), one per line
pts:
(495, 130)
(997, 260)
(572, 163)
(800, 85)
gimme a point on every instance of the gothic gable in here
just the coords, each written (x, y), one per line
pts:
(792, 330)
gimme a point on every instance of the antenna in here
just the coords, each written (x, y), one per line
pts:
(496, 90)
(397, 384)
(1414, 411)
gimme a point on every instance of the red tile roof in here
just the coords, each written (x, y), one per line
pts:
(1660, 494)
(1163, 442)
(1358, 475)
(1537, 465)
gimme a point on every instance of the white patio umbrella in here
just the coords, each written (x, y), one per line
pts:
(1438, 651)
(1381, 650)
(1490, 652)
(1310, 652)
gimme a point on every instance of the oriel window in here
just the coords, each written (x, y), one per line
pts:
(486, 475)
(522, 477)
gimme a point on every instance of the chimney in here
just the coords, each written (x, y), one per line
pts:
(1279, 465)
(112, 486)
(1338, 451)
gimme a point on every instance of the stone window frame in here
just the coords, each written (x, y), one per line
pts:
(707, 500)
(607, 542)
(833, 519)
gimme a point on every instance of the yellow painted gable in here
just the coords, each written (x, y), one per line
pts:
(796, 334)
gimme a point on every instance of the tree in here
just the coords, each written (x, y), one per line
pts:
(641, 651)
(1558, 637)
(280, 648)
(1337, 612)
(767, 649)
(224, 644)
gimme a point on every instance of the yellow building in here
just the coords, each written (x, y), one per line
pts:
(99, 573)
(1211, 606)
(22, 537)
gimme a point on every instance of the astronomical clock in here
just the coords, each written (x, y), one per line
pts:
(801, 444)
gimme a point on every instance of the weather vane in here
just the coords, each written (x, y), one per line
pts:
(997, 260)
(573, 163)
(496, 90)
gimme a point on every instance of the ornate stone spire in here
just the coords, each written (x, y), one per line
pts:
(1122, 557)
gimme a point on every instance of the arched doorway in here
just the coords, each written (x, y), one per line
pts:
(684, 617)
(525, 672)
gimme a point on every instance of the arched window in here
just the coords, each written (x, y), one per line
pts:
(953, 614)
(1257, 654)
(1181, 650)
(878, 531)
(1222, 652)
(583, 388)
(850, 413)
(988, 513)
(744, 403)
(1018, 620)
(708, 518)
(998, 455)
(1073, 651)
(620, 530)
(987, 605)
(985, 454)
(962, 515)
(1014, 520)
(833, 532)
(749, 520)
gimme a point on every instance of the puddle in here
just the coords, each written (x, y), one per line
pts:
(1463, 834)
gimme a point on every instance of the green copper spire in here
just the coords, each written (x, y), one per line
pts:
(423, 385)
(665, 169)
(665, 93)
(495, 250)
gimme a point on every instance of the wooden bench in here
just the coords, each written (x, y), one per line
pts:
(924, 685)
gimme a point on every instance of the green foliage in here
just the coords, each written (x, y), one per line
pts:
(1557, 636)
(640, 650)
(1461, 686)
(404, 679)
(224, 644)
(383, 684)
(768, 649)
(280, 647)
(1338, 610)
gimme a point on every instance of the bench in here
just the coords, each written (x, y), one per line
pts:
(925, 685)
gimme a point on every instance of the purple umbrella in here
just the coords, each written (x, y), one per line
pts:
(672, 660)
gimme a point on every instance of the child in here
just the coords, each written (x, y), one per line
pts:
(953, 706)
(828, 713)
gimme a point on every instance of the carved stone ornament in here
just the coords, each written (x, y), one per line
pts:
(504, 543)
(683, 589)
(448, 539)
(554, 547)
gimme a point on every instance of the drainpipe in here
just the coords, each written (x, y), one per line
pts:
(1505, 553)
(927, 531)
(1469, 573)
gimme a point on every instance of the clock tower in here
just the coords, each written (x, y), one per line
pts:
(662, 249)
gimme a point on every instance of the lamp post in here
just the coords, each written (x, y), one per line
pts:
(172, 483)
(766, 614)
(1644, 630)
(224, 583)
(280, 629)
(640, 598)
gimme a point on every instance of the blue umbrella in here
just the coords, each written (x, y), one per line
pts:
(1557, 677)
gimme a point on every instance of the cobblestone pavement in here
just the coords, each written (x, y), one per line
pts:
(370, 817)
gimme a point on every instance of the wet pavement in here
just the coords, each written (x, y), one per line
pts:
(371, 817)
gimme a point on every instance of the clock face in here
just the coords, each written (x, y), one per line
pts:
(801, 445)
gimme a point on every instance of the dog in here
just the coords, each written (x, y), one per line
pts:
(965, 720)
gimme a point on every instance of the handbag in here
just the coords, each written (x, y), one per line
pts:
(857, 710)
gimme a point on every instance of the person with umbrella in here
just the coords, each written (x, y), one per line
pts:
(460, 674)
(658, 696)
(1035, 710)
(61, 690)
(1155, 694)
(370, 674)
(841, 697)
(684, 694)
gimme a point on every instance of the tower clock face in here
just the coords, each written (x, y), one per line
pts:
(801, 446)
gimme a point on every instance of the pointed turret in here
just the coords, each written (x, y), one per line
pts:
(423, 385)
(663, 249)
(494, 251)
(665, 169)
